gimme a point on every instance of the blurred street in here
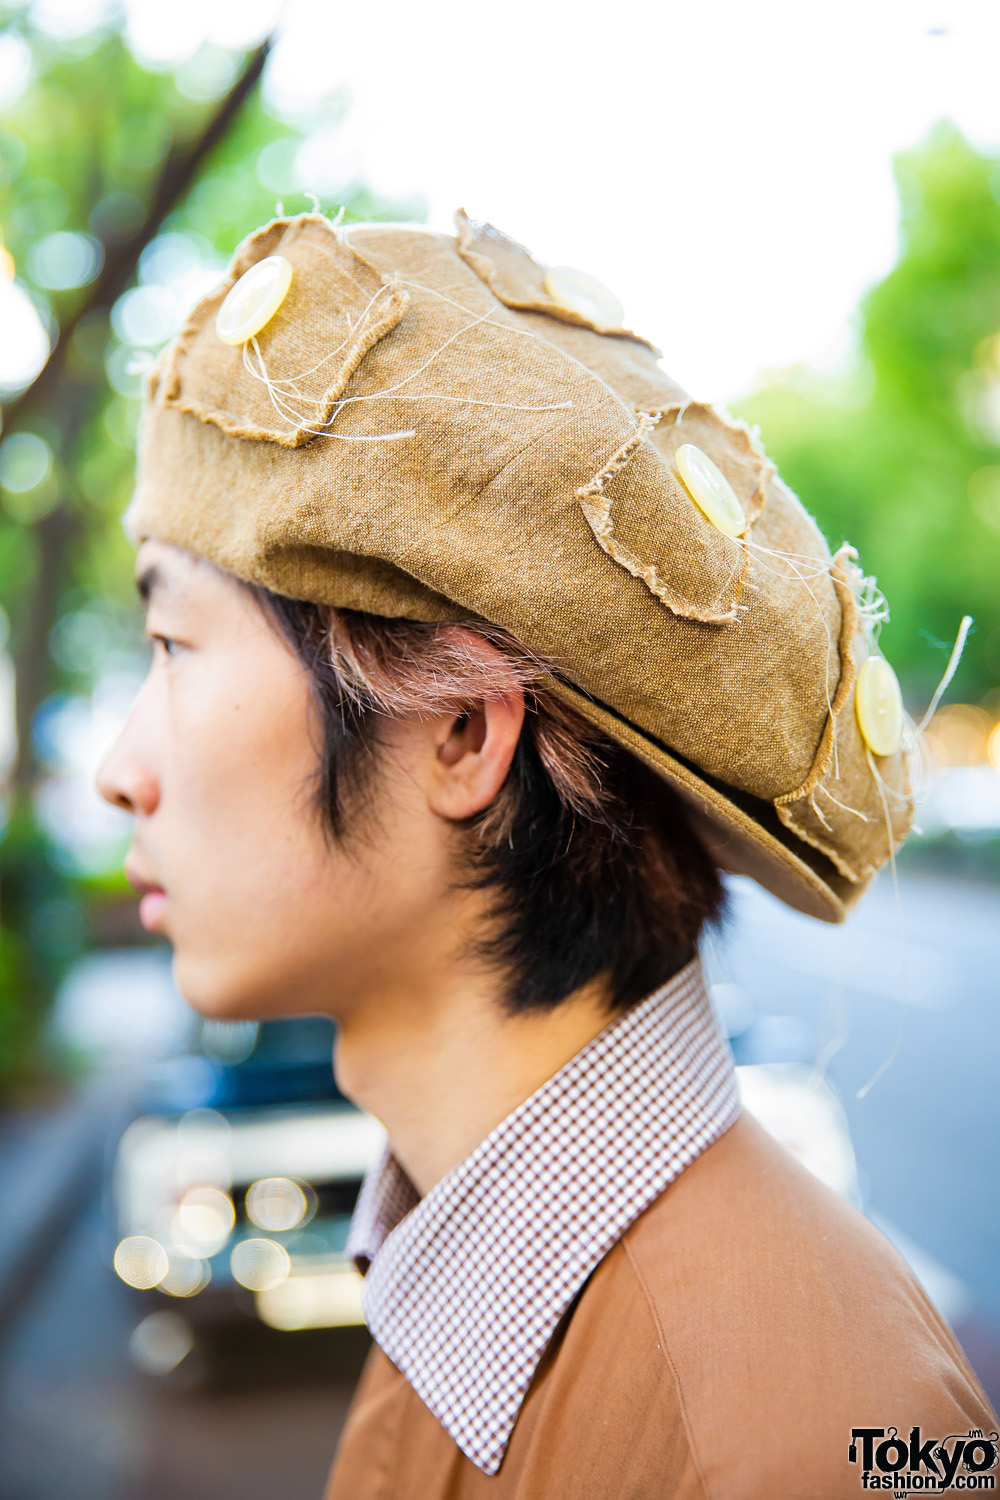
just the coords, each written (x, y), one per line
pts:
(260, 1417)
(926, 1133)
(78, 1421)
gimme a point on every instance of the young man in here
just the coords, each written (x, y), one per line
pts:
(479, 648)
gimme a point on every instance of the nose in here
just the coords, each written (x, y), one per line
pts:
(128, 777)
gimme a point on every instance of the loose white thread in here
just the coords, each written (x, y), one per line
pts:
(280, 399)
(819, 812)
(949, 671)
(843, 805)
(291, 380)
(525, 333)
(295, 418)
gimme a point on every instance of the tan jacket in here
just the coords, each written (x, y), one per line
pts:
(724, 1348)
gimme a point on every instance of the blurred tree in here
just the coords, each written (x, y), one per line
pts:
(124, 188)
(902, 457)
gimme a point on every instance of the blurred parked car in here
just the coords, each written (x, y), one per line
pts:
(234, 1188)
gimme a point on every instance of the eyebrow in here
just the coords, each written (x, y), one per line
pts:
(152, 580)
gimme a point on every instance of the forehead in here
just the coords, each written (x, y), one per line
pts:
(166, 572)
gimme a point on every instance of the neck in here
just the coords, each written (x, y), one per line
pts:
(440, 1069)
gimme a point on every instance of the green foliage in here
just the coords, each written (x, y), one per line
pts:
(43, 930)
(902, 458)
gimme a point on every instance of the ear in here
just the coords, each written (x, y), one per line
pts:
(473, 752)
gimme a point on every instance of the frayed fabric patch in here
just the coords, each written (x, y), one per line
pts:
(516, 279)
(840, 789)
(710, 560)
(704, 423)
(300, 369)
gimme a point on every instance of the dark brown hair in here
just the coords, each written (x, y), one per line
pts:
(594, 866)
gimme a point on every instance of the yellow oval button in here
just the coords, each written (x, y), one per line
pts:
(710, 489)
(878, 704)
(585, 295)
(254, 300)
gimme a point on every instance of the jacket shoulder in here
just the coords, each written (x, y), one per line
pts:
(787, 1319)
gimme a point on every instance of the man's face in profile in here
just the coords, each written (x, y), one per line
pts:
(267, 914)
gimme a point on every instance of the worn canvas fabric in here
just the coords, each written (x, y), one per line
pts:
(722, 1350)
(423, 430)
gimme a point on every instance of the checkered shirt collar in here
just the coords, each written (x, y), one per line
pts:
(464, 1288)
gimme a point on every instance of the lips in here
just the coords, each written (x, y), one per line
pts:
(154, 899)
(139, 882)
(151, 910)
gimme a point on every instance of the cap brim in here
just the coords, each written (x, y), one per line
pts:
(743, 833)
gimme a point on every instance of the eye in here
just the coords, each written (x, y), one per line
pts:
(166, 644)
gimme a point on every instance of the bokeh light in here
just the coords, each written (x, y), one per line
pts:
(25, 460)
(160, 1342)
(958, 735)
(186, 1276)
(259, 1264)
(229, 1042)
(24, 347)
(15, 67)
(144, 316)
(324, 1299)
(279, 1203)
(203, 1221)
(67, 19)
(141, 1261)
(64, 260)
(993, 747)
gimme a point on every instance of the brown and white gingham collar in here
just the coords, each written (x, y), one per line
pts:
(464, 1288)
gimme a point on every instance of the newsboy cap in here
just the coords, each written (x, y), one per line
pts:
(437, 427)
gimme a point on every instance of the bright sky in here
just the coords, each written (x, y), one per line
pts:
(725, 169)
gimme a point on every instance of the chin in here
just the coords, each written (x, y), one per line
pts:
(220, 994)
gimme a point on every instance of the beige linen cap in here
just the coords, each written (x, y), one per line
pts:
(439, 428)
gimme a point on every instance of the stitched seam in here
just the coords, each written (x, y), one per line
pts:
(692, 1447)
